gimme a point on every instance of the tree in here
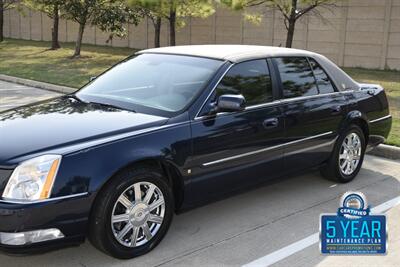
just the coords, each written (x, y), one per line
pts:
(292, 10)
(153, 11)
(52, 9)
(174, 11)
(108, 15)
(5, 5)
(177, 10)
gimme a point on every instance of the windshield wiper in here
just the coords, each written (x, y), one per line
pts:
(110, 106)
(73, 96)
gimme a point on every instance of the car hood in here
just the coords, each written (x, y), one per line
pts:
(63, 122)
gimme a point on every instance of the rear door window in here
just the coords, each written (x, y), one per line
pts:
(325, 85)
(296, 76)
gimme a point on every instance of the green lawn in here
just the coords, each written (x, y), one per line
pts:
(33, 60)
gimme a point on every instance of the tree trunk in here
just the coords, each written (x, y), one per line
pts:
(54, 32)
(157, 31)
(1, 20)
(292, 23)
(79, 40)
(290, 33)
(172, 26)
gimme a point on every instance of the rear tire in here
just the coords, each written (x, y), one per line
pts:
(132, 214)
(347, 157)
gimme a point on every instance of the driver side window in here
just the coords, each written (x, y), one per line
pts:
(250, 79)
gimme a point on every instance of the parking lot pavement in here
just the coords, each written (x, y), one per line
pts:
(246, 227)
(12, 95)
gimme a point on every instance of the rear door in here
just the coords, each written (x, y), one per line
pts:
(313, 110)
(235, 149)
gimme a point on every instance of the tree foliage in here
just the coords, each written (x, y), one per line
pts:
(175, 11)
(108, 15)
(45, 6)
(52, 9)
(8, 4)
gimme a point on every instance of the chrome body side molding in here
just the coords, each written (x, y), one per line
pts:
(381, 119)
(264, 149)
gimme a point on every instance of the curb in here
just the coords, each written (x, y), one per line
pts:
(36, 84)
(386, 151)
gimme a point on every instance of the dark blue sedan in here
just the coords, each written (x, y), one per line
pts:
(172, 128)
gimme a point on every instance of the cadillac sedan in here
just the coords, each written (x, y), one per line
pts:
(168, 129)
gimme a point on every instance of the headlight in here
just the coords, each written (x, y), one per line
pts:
(33, 179)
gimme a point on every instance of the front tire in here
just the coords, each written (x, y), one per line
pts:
(132, 214)
(347, 157)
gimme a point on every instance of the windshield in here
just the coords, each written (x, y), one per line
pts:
(164, 82)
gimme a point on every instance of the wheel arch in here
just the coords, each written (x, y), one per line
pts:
(167, 168)
(358, 118)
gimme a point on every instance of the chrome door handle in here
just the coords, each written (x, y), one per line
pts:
(271, 123)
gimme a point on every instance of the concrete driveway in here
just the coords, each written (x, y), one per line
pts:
(12, 95)
(249, 226)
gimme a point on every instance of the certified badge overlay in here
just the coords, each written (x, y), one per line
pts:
(353, 230)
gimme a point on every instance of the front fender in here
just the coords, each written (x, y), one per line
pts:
(88, 170)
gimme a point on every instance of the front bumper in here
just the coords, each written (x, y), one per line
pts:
(68, 214)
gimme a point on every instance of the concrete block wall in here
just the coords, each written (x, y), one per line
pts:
(393, 39)
(356, 33)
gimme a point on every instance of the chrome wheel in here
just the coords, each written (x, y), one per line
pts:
(350, 153)
(138, 214)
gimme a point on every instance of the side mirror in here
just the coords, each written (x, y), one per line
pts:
(92, 78)
(230, 103)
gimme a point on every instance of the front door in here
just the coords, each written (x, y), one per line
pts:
(233, 150)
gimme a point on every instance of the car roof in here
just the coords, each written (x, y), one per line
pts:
(240, 53)
(233, 53)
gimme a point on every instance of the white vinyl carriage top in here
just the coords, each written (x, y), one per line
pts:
(233, 53)
(239, 53)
